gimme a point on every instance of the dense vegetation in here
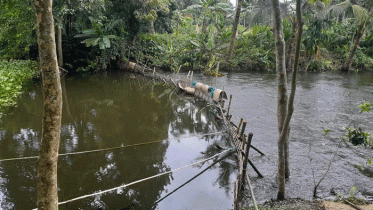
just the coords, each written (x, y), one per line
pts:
(14, 75)
(187, 34)
(191, 33)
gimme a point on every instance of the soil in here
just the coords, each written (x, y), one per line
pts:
(299, 204)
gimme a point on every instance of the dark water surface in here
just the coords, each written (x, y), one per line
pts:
(103, 112)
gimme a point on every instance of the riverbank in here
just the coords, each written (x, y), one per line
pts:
(299, 204)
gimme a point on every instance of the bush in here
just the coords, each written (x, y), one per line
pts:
(14, 74)
(362, 60)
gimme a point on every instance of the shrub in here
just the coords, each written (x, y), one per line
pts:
(14, 74)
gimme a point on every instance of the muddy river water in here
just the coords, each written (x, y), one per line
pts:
(170, 130)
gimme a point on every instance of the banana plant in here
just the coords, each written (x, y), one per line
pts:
(99, 34)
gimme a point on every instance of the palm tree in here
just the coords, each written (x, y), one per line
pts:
(234, 28)
(362, 12)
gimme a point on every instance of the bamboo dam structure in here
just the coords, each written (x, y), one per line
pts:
(215, 97)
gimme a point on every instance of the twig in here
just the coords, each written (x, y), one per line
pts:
(330, 164)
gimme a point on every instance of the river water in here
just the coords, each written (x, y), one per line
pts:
(107, 112)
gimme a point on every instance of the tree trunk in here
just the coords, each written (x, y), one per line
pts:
(234, 29)
(347, 65)
(286, 129)
(47, 197)
(282, 94)
(60, 55)
(152, 30)
(286, 154)
(290, 45)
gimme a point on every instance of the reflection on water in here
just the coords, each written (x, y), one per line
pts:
(102, 112)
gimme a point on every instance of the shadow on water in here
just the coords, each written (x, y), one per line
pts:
(102, 112)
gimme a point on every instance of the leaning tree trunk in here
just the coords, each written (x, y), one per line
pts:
(282, 94)
(47, 197)
(286, 129)
(347, 65)
(234, 29)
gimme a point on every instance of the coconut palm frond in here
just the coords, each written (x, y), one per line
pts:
(360, 13)
(192, 8)
(340, 8)
(224, 5)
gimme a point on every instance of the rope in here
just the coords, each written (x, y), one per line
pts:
(138, 181)
(112, 148)
(217, 161)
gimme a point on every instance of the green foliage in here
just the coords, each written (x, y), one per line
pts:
(255, 49)
(357, 136)
(100, 34)
(363, 61)
(353, 199)
(17, 28)
(326, 131)
(319, 65)
(168, 51)
(14, 74)
(365, 107)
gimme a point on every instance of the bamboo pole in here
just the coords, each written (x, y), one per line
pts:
(239, 125)
(246, 157)
(242, 130)
(229, 105)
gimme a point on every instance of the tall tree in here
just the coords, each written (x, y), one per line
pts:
(47, 197)
(282, 93)
(234, 29)
(148, 11)
(285, 106)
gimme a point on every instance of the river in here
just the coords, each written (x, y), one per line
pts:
(102, 112)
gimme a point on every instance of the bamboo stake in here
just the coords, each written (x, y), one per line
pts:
(246, 157)
(257, 150)
(242, 130)
(255, 169)
(229, 105)
(246, 175)
(239, 125)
